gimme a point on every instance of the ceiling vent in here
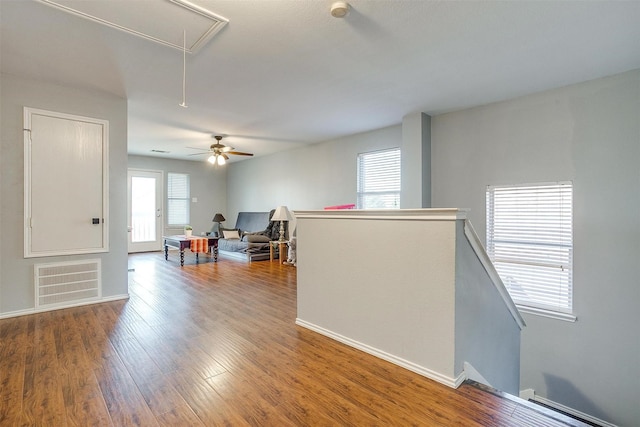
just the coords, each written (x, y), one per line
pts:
(165, 25)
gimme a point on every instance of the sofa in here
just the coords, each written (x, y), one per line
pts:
(249, 238)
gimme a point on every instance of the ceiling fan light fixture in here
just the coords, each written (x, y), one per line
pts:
(218, 152)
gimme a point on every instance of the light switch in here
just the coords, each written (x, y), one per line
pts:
(194, 199)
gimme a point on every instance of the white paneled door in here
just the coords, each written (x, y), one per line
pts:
(66, 184)
(145, 210)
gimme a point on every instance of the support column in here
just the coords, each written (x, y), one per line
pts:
(416, 161)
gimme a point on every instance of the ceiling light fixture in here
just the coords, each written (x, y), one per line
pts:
(184, 69)
(217, 159)
(339, 9)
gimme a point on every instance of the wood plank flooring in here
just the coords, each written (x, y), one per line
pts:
(216, 344)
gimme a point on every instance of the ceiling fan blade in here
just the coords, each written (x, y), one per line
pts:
(199, 154)
(225, 156)
(226, 149)
(239, 153)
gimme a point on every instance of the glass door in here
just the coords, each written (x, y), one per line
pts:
(145, 210)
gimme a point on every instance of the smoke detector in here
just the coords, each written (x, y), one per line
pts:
(339, 9)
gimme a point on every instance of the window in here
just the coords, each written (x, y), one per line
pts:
(178, 199)
(530, 241)
(379, 179)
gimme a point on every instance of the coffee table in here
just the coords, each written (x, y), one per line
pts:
(183, 242)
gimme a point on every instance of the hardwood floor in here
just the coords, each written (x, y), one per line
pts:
(215, 344)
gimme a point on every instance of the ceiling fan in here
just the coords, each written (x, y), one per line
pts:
(219, 152)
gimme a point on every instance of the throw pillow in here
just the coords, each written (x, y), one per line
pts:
(248, 235)
(258, 238)
(231, 234)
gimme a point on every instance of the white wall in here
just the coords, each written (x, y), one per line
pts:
(386, 285)
(406, 286)
(16, 272)
(311, 177)
(208, 185)
(588, 133)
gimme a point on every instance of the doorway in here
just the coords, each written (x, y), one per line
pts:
(145, 211)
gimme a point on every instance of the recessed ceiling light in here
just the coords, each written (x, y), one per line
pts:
(339, 9)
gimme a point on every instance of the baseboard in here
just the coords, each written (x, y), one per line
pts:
(28, 311)
(425, 372)
(529, 394)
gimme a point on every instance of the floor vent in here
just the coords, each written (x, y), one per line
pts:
(62, 284)
(575, 417)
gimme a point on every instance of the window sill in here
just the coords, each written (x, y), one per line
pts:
(547, 313)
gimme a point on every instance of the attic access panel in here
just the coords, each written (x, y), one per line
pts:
(165, 25)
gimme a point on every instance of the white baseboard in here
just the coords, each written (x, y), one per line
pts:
(28, 311)
(425, 372)
(529, 394)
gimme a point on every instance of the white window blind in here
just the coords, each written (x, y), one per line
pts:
(178, 199)
(379, 179)
(530, 241)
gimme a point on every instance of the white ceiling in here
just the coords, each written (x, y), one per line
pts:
(283, 73)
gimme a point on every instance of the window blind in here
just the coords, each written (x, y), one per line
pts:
(379, 179)
(177, 199)
(530, 241)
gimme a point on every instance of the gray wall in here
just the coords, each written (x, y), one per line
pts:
(16, 272)
(208, 184)
(426, 303)
(588, 133)
(311, 177)
(482, 317)
(397, 303)
(416, 161)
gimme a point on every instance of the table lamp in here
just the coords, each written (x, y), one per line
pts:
(218, 218)
(281, 214)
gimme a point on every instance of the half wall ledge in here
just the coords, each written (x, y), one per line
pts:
(408, 286)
